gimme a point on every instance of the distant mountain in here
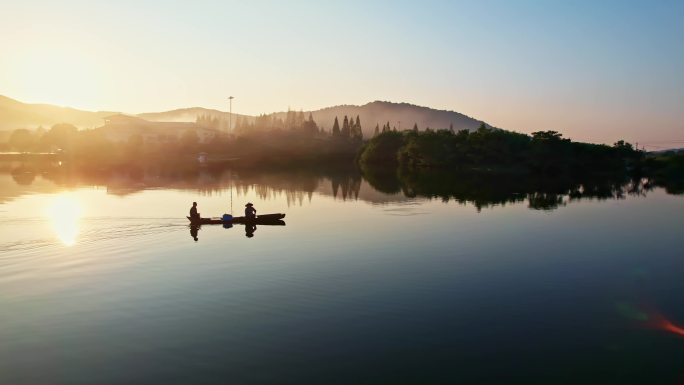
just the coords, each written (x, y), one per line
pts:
(676, 150)
(187, 115)
(400, 115)
(15, 114)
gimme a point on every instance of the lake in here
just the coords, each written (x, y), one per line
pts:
(103, 282)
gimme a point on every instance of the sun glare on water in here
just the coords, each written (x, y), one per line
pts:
(64, 213)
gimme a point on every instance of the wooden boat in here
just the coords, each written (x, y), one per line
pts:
(264, 219)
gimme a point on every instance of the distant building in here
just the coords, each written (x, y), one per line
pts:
(120, 128)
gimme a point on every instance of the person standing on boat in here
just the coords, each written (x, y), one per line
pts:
(193, 211)
(250, 211)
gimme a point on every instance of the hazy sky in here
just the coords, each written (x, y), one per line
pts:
(594, 70)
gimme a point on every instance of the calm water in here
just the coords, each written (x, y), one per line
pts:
(101, 282)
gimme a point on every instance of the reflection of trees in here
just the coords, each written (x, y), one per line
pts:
(489, 189)
(544, 201)
(668, 171)
(481, 189)
(348, 185)
(296, 186)
(23, 176)
(381, 179)
(675, 186)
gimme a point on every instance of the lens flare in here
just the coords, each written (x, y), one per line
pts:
(648, 317)
(660, 322)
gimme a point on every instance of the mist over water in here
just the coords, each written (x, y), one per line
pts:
(375, 279)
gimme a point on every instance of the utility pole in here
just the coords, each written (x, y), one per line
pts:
(230, 114)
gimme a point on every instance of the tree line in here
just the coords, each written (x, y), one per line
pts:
(298, 139)
(294, 121)
(489, 148)
(267, 139)
(351, 129)
(41, 139)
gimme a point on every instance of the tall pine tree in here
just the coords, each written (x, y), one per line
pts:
(356, 131)
(299, 119)
(336, 128)
(290, 119)
(309, 125)
(346, 130)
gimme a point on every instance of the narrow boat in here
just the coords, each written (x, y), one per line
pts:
(264, 219)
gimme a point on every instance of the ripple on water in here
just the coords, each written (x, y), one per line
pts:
(99, 240)
(407, 209)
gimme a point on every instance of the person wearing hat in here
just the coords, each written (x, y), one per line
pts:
(250, 211)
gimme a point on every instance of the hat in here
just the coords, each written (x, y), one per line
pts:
(249, 204)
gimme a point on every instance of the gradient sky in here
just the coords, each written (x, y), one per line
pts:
(594, 70)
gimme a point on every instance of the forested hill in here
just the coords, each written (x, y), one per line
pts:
(15, 114)
(403, 116)
(190, 115)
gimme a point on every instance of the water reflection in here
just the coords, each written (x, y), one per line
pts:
(481, 189)
(485, 189)
(64, 213)
(250, 228)
(355, 281)
(22, 176)
(194, 232)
